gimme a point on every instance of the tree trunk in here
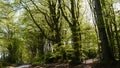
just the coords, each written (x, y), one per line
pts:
(76, 38)
(106, 50)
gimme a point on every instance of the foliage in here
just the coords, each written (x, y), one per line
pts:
(58, 31)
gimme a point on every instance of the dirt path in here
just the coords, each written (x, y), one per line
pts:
(87, 63)
(21, 66)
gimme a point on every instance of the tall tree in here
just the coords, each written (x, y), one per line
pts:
(51, 18)
(50, 24)
(107, 54)
(71, 13)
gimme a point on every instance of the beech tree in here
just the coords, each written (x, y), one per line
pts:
(71, 12)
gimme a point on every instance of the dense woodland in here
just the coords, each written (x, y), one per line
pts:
(40, 32)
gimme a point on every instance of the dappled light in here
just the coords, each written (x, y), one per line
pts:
(59, 34)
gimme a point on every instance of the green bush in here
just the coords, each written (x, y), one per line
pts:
(89, 53)
(61, 54)
(38, 60)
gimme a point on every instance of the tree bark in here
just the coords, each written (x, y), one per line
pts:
(106, 50)
(74, 26)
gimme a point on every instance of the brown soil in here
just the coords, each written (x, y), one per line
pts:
(86, 64)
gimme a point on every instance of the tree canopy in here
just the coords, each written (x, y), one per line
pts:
(40, 32)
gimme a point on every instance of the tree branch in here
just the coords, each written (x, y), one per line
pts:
(34, 21)
(66, 18)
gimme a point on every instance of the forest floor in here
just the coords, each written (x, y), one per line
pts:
(90, 63)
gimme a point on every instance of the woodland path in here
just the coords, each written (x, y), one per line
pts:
(85, 64)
